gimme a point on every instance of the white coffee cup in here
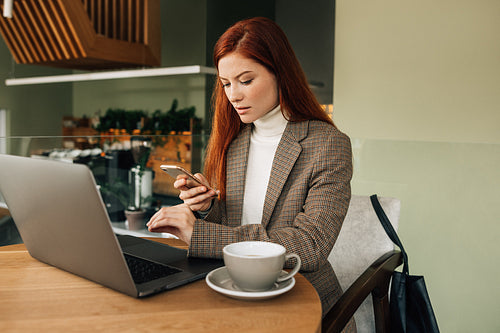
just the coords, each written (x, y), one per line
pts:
(257, 266)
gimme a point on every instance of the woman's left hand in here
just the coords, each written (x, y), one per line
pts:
(177, 220)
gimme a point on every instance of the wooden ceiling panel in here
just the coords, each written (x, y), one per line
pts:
(84, 34)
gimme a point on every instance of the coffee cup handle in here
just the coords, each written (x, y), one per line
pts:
(293, 271)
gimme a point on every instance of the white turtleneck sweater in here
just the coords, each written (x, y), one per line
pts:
(265, 137)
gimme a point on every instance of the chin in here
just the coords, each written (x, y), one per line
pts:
(246, 120)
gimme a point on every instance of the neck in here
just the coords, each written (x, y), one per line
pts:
(271, 124)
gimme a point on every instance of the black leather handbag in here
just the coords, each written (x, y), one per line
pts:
(410, 306)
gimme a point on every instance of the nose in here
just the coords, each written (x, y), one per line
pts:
(234, 94)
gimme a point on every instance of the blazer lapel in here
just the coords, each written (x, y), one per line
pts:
(237, 157)
(287, 153)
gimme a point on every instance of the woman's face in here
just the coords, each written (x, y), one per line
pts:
(249, 86)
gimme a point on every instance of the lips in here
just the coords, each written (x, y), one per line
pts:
(242, 109)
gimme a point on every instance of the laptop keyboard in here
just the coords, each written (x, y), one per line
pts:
(144, 270)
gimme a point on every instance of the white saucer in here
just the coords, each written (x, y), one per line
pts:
(220, 281)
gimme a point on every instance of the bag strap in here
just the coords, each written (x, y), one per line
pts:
(386, 224)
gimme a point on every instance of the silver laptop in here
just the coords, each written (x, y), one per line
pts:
(63, 222)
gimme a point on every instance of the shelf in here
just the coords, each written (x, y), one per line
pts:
(110, 75)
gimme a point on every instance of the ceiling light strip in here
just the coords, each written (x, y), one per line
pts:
(110, 75)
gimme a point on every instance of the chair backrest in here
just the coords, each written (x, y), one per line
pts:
(361, 241)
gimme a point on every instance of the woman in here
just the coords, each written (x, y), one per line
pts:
(281, 167)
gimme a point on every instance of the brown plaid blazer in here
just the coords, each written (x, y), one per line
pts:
(307, 199)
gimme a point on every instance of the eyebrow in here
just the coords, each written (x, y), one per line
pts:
(237, 76)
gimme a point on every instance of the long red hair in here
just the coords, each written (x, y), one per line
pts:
(263, 41)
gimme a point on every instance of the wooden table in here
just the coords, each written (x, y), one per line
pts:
(36, 297)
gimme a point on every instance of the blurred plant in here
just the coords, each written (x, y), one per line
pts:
(160, 123)
(121, 119)
(172, 122)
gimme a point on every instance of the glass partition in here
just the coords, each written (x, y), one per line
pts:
(126, 168)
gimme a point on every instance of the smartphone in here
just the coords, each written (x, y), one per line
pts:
(175, 170)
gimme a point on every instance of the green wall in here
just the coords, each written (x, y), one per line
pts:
(422, 70)
(33, 110)
(417, 88)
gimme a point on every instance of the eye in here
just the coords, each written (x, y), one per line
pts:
(247, 82)
(225, 85)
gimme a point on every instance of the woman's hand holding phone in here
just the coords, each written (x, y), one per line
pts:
(195, 191)
(196, 195)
